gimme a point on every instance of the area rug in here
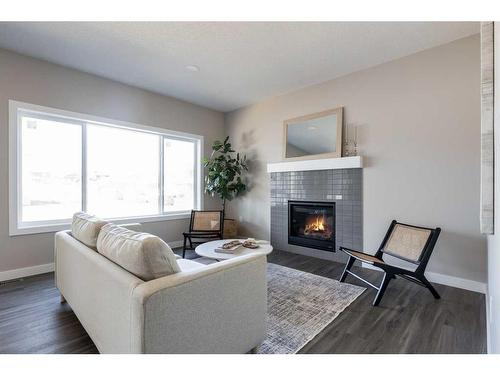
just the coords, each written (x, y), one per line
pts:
(301, 305)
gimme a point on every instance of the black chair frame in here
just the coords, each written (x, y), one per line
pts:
(205, 235)
(391, 272)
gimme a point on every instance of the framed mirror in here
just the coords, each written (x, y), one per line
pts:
(318, 135)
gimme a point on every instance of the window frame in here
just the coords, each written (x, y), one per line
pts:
(17, 109)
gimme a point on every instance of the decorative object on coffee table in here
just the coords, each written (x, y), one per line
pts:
(207, 249)
(228, 247)
(203, 226)
(251, 243)
(410, 243)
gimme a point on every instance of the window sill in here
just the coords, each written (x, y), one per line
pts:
(52, 228)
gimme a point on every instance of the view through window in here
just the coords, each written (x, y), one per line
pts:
(111, 171)
(123, 170)
(179, 161)
(51, 155)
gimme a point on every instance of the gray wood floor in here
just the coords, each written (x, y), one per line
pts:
(408, 319)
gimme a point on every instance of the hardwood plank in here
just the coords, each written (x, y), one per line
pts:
(408, 320)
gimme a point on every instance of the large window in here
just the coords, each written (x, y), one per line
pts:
(63, 162)
(178, 184)
(51, 173)
(123, 170)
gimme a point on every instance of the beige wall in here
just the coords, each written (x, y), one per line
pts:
(419, 131)
(34, 81)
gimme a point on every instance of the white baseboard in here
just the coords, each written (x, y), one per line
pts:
(26, 271)
(456, 282)
(49, 267)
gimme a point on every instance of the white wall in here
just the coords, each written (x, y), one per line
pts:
(34, 81)
(419, 131)
(493, 296)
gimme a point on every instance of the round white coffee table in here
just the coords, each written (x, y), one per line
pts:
(207, 250)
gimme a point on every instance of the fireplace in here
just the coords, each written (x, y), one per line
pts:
(312, 224)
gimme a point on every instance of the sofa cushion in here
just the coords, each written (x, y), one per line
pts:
(142, 254)
(189, 265)
(85, 228)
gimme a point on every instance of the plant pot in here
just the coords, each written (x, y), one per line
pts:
(230, 228)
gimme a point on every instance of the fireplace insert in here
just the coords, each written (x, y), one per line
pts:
(312, 224)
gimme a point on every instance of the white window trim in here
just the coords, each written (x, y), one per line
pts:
(18, 228)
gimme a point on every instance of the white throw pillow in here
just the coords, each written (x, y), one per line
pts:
(85, 228)
(142, 254)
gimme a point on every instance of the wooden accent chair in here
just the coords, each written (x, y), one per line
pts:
(204, 226)
(407, 242)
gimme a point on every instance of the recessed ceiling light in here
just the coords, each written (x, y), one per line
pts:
(192, 68)
(312, 127)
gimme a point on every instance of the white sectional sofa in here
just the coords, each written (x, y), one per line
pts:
(216, 308)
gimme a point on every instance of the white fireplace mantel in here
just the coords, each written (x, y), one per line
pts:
(316, 164)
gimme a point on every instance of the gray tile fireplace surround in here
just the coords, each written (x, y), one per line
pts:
(342, 186)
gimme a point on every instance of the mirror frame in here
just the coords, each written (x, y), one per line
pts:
(337, 154)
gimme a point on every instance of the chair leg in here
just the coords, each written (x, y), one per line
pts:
(190, 243)
(429, 286)
(383, 286)
(348, 266)
(184, 247)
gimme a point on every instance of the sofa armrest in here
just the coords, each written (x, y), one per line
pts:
(220, 308)
(99, 292)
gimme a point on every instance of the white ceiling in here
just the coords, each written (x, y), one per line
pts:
(240, 62)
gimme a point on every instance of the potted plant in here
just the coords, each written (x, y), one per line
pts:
(224, 177)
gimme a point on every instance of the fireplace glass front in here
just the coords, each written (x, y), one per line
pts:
(312, 224)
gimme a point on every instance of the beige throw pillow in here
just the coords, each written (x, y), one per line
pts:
(85, 228)
(142, 254)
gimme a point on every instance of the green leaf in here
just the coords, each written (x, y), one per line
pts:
(224, 172)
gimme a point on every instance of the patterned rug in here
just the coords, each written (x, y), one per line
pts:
(301, 305)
